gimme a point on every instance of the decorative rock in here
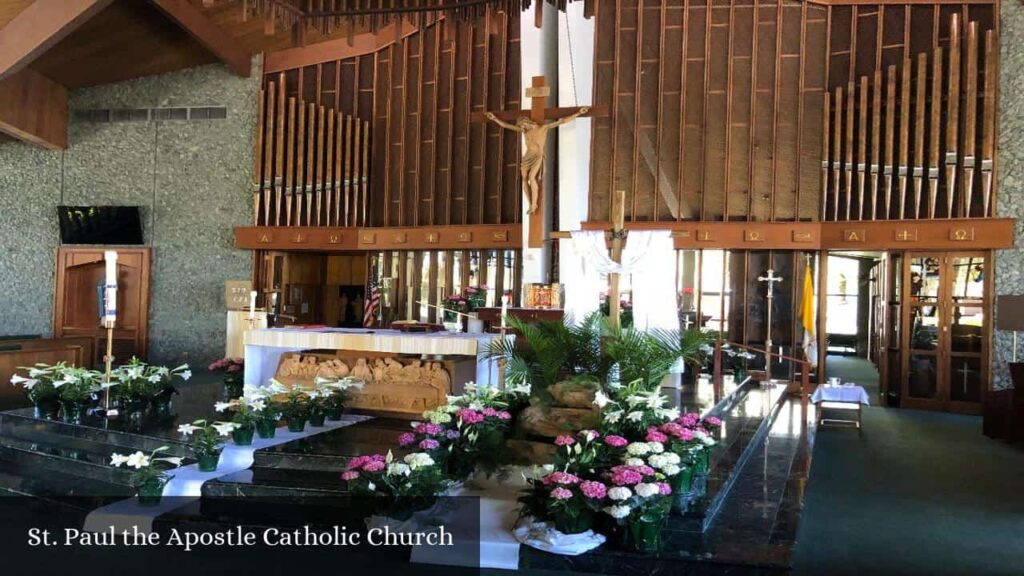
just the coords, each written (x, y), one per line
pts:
(551, 421)
(573, 394)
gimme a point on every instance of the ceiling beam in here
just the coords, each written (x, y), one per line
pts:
(211, 36)
(40, 26)
(338, 49)
(34, 109)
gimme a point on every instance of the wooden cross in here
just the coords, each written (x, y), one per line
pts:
(618, 240)
(538, 94)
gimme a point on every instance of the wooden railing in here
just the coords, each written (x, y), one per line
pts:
(805, 371)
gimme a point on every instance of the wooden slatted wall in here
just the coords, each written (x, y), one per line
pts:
(430, 164)
(719, 88)
(428, 276)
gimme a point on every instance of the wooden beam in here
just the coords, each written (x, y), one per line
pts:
(40, 26)
(34, 109)
(217, 41)
(340, 49)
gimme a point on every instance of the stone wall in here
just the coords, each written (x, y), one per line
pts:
(1009, 268)
(191, 178)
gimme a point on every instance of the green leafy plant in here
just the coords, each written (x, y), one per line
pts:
(207, 437)
(39, 385)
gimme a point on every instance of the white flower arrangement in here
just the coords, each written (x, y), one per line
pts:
(638, 448)
(619, 493)
(646, 490)
(418, 460)
(618, 512)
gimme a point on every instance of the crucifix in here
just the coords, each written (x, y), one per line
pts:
(534, 127)
(770, 278)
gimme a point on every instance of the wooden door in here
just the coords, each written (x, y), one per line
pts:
(945, 344)
(77, 299)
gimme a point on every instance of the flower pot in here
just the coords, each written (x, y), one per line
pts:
(296, 424)
(699, 461)
(682, 486)
(266, 428)
(578, 524)
(150, 492)
(233, 387)
(47, 409)
(738, 375)
(208, 462)
(316, 419)
(402, 509)
(642, 536)
(335, 413)
(243, 435)
(73, 412)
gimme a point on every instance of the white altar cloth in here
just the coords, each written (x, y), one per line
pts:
(263, 348)
(847, 394)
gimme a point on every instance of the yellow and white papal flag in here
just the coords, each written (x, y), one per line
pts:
(807, 314)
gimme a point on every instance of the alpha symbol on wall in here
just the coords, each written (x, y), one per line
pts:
(857, 235)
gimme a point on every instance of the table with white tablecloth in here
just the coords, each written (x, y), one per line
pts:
(852, 395)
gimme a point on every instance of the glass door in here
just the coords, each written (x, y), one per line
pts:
(923, 340)
(946, 314)
(968, 345)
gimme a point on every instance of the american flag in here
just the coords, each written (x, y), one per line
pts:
(372, 302)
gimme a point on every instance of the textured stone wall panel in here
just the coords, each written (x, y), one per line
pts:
(192, 180)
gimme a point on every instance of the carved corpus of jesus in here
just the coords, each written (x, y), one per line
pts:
(534, 137)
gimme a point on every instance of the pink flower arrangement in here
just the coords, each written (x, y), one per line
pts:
(349, 475)
(664, 489)
(560, 493)
(592, 489)
(565, 440)
(690, 419)
(558, 477)
(654, 435)
(406, 439)
(361, 462)
(713, 422)
(374, 466)
(615, 441)
(469, 416)
(428, 429)
(626, 476)
(429, 444)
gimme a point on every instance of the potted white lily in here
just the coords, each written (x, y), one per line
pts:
(248, 415)
(335, 393)
(207, 442)
(150, 474)
(39, 388)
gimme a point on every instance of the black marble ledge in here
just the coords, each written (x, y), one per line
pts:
(331, 450)
(743, 427)
(194, 401)
(84, 493)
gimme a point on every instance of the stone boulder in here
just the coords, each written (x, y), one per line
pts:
(551, 421)
(573, 394)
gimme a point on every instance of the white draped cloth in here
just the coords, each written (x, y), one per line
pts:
(649, 256)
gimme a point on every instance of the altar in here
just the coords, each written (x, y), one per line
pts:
(388, 359)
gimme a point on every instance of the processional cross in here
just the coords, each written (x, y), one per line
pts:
(534, 124)
(771, 279)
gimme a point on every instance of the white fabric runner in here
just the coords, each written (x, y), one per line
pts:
(850, 394)
(186, 485)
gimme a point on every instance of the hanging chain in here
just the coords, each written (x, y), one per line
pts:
(572, 61)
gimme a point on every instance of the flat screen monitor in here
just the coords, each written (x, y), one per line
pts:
(100, 225)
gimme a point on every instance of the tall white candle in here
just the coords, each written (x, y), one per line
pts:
(504, 308)
(110, 288)
(252, 305)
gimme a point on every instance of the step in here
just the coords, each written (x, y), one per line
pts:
(73, 456)
(331, 450)
(86, 493)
